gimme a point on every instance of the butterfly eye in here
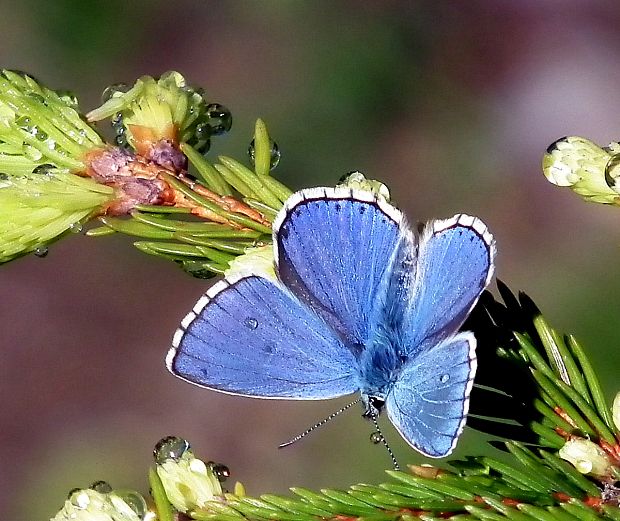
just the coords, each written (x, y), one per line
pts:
(377, 402)
(374, 407)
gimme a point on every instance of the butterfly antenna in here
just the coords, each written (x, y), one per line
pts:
(384, 441)
(317, 425)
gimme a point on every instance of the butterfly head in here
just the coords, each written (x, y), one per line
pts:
(373, 405)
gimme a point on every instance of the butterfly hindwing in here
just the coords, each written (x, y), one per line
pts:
(454, 266)
(429, 401)
(253, 337)
(333, 247)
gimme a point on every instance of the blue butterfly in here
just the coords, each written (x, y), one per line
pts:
(360, 304)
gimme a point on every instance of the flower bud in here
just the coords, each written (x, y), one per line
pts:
(255, 261)
(90, 505)
(188, 482)
(615, 411)
(358, 181)
(586, 456)
(36, 209)
(583, 166)
(164, 109)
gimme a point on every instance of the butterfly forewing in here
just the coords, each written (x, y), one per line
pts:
(455, 264)
(333, 249)
(253, 337)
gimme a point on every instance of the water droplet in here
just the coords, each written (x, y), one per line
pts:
(68, 98)
(444, 378)
(31, 152)
(170, 447)
(222, 472)
(204, 147)
(39, 134)
(101, 486)
(120, 131)
(41, 251)
(110, 90)
(117, 120)
(275, 154)
(251, 323)
(197, 90)
(76, 227)
(132, 499)
(220, 118)
(43, 169)
(80, 499)
(35, 96)
(72, 491)
(203, 131)
(121, 140)
(173, 77)
(375, 438)
(25, 123)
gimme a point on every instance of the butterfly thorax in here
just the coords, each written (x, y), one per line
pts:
(380, 364)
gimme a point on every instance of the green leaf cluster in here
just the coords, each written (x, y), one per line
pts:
(40, 126)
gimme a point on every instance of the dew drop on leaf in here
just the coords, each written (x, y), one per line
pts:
(72, 491)
(41, 251)
(170, 447)
(101, 486)
(76, 227)
(251, 323)
(220, 118)
(275, 154)
(132, 499)
(222, 472)
(43, 169)
(110, 90)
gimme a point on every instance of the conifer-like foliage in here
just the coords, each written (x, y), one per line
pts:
(535, 392)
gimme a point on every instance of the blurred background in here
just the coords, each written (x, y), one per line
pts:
(451, 106)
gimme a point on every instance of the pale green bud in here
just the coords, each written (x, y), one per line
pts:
(255, 261)
(583, 166)
(586, 456)
(36, 209)
(90, 505)
(188, 482)
(615, 411)
(239, 489)
(358, 181)
(161, 108)
(40, 126)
